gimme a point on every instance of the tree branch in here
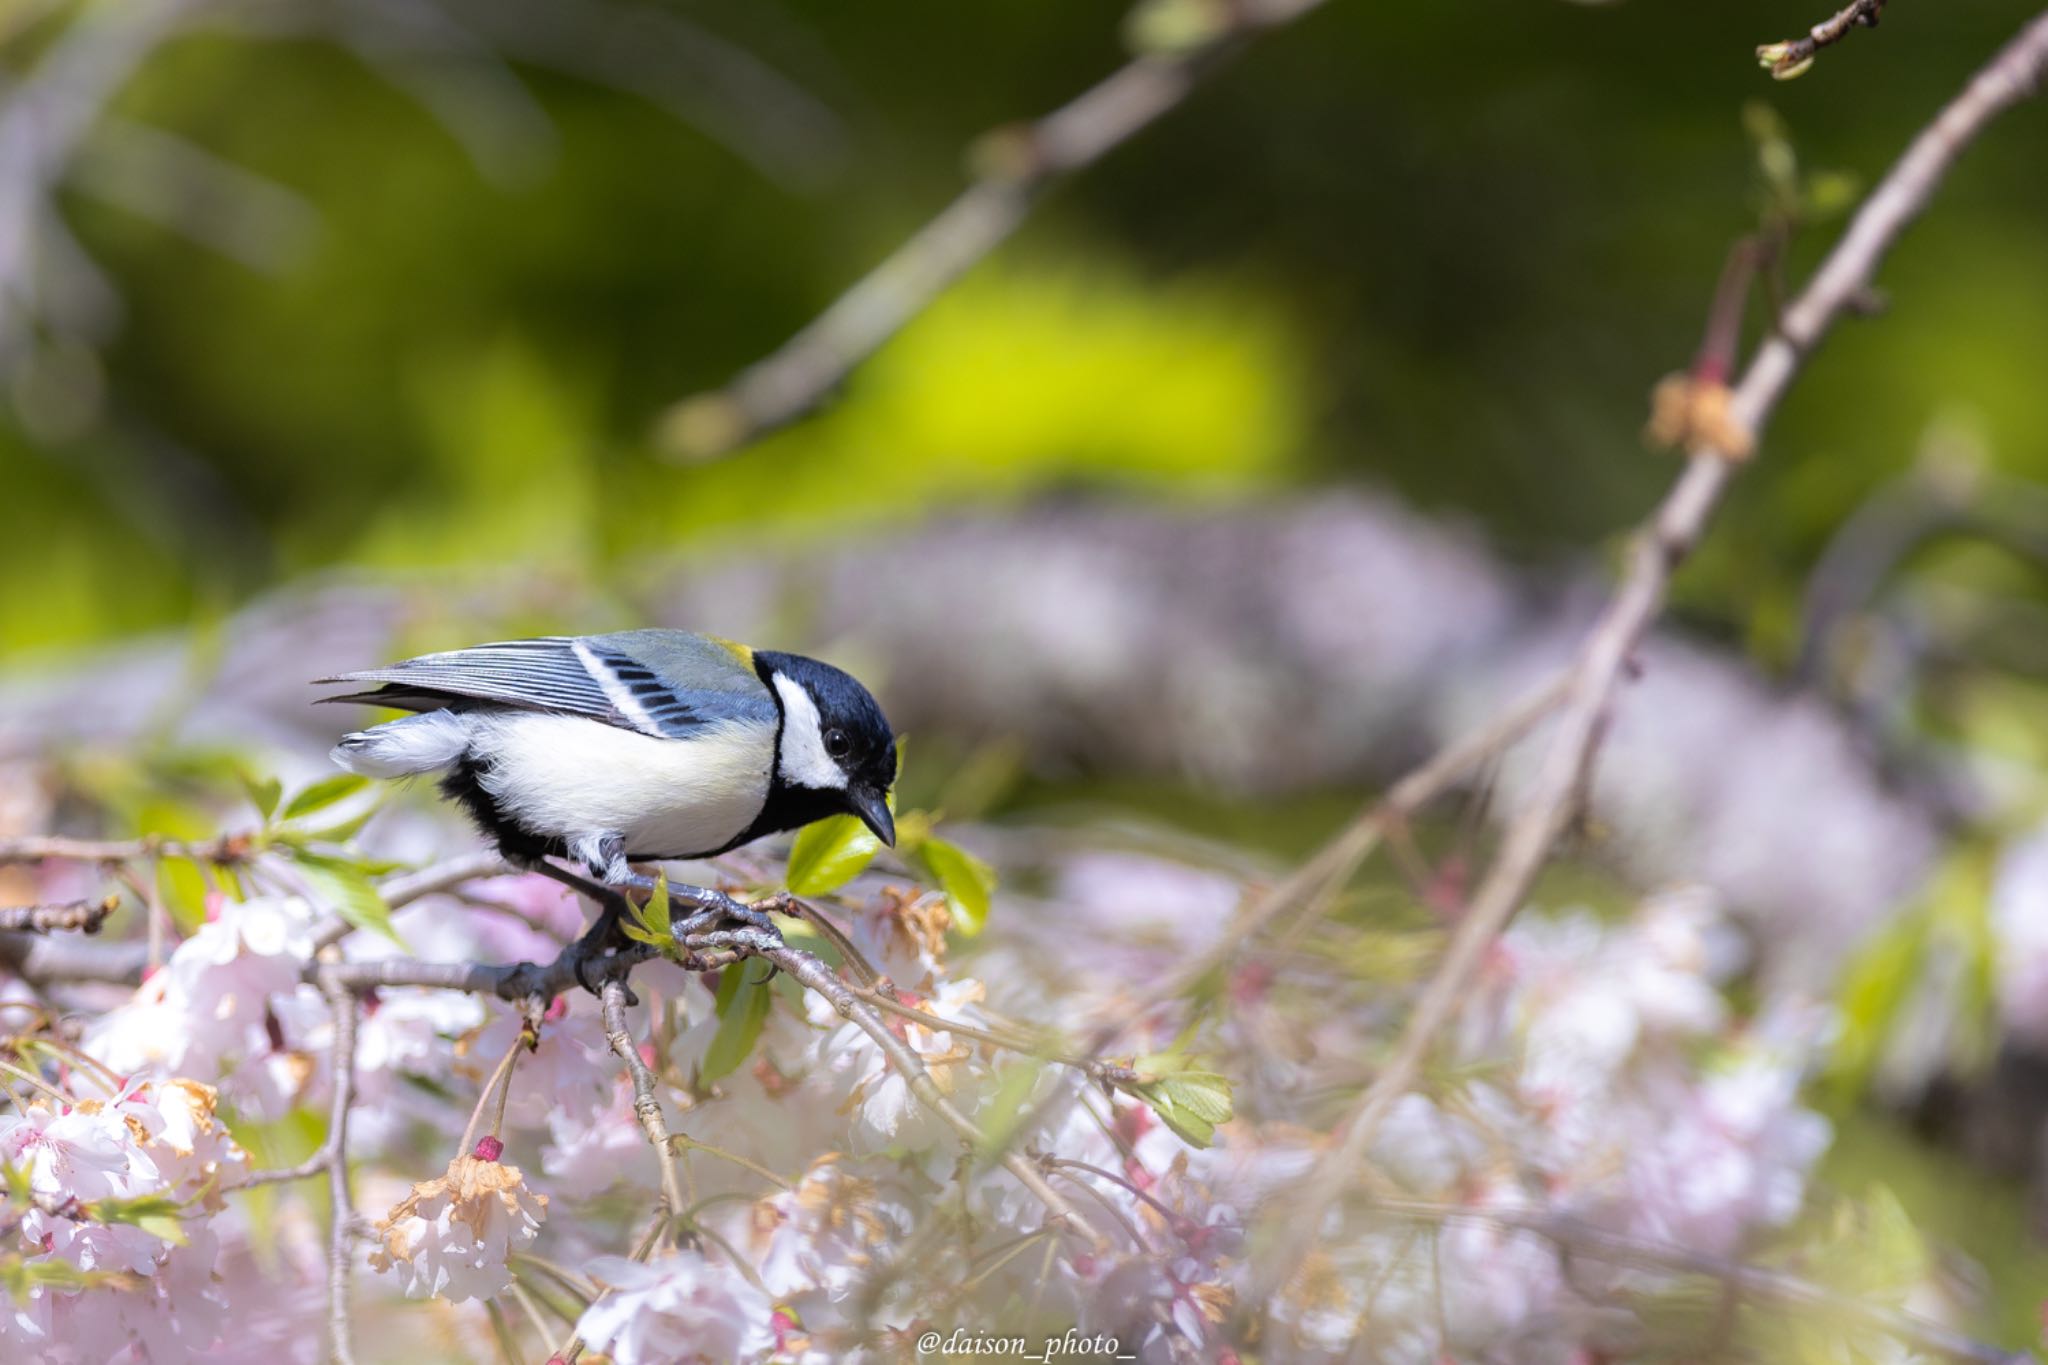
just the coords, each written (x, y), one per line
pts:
(1791, 58)
(229, 848)
(1660, 547)
(84, 916)
(1018, 164)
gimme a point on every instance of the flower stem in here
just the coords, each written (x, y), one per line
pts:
(500, 1084)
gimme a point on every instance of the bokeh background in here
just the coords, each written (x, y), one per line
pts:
(1271, 451)
(401, 296)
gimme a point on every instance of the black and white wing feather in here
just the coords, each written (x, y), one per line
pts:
(640, 681)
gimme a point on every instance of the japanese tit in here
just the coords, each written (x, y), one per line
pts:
(638, 746)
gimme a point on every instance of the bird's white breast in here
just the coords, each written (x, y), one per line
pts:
(571, 777)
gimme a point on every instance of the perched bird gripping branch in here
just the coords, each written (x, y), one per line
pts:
(638, 746)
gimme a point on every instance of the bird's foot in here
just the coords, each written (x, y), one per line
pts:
(708, 907)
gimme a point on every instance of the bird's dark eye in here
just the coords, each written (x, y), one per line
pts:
(837, 744)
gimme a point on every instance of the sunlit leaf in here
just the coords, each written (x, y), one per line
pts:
(345, 830)
(1191, 1103)
(348, 889)
(656, 911)
(264, 793)
(181, 889)
(1946, 937)
(1829, 193)
(829, 854)
(158, 1215)
(1188, 1099)
(324, 793)
(743, 1005)
(969, 883)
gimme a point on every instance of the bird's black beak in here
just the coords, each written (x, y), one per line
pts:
(873, 809)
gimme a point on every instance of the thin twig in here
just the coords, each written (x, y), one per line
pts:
(1792, 57)
(1023, 1046)
(499, 1085)
(340, 1255)
(1663, 543)
(321, 1160)
(685, 1142)
(1018, 165)
(848, 951)
(646, 1106)
(1333, 864)
(39, 848)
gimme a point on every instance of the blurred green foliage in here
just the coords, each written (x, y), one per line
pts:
(1446, 248)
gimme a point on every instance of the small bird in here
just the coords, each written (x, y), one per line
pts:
(637, 746)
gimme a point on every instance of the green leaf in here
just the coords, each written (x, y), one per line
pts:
(1829, 193)
(1191, 1103)
(742, 1011)
(54, 1272)
(1945, 937)
(969, 883)
(163, 1226)
(912, 829)
(263, 794)
(1189, 1100)
(348, 888)
(829, 854)
(181, 887)
(650, 923)
(158, 1215)
(344, 831)
(656, 913)
(324, 793)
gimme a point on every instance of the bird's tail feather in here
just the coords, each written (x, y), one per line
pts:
(401, 748)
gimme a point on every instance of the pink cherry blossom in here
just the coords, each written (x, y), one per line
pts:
(679, 1308)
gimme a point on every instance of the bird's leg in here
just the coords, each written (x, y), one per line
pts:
(600, 943)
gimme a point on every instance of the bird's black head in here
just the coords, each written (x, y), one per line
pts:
(835, 743)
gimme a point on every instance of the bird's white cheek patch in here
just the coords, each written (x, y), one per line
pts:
(802, 759)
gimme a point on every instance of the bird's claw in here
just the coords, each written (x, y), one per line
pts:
(752, 916)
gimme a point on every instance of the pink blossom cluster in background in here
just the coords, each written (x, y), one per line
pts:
(1600, 1074)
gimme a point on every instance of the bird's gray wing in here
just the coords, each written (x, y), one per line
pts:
(679, 678)
(604, 678)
